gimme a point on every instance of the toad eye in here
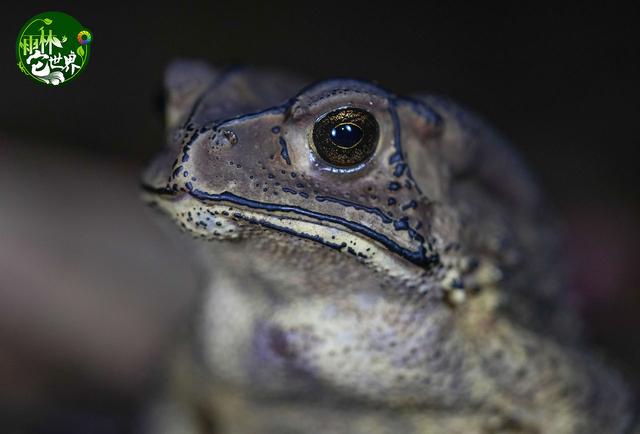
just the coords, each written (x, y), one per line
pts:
(345, 137)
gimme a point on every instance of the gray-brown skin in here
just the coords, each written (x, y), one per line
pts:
(418, 292)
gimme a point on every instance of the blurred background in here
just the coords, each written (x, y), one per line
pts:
(92, 292)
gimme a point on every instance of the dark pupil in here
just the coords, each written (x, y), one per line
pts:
(84, 36)
(346, 135)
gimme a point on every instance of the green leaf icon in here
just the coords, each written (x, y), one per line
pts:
(56, 33)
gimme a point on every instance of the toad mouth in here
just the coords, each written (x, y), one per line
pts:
(238, 204)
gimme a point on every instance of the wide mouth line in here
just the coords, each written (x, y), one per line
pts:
(418, 257)
(163, 191)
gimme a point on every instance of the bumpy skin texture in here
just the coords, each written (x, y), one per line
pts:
(418, 292)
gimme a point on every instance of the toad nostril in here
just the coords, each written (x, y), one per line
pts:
(230, 137)
(220, 139)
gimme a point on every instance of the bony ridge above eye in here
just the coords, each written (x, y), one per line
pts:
(345, 137)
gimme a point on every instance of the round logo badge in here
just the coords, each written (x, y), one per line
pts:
(53, 48)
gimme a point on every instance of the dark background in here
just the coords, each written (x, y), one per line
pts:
(560, 82)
